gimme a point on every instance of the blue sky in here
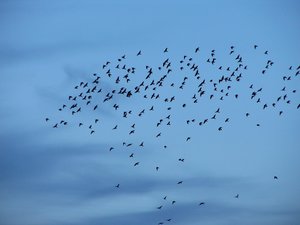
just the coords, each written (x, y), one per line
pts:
(67, 176)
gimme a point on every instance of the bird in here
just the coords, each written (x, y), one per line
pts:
(117, 186)
(137, 163)
(275, 177)
(201, 203)
(265, 106)
(237, 196)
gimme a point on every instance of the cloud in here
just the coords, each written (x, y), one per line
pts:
(79, 180)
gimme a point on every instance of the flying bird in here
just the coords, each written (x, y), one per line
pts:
(159, 207)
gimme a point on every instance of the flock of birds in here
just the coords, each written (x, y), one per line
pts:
(148, 86)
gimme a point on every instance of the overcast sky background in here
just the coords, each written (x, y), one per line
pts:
(67, 176)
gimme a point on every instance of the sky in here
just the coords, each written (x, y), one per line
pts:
(68, 176)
